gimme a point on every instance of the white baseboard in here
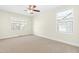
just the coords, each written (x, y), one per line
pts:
(63, 41)
(13, 36)
(70, 43)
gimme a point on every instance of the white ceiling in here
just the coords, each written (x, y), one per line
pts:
(20, 8)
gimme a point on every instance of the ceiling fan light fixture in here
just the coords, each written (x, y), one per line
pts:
(32, 9)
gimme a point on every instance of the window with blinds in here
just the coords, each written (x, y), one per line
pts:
(64, 21)
(17, 24)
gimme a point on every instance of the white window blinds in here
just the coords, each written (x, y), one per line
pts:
(64, 21)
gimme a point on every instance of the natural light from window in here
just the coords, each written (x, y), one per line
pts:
(64, 21)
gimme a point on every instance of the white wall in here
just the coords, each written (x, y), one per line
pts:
(45, 26)
(5, 25)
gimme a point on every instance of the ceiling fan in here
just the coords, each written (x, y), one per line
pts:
(31, 9)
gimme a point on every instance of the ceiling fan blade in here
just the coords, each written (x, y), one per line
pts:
(37, 10)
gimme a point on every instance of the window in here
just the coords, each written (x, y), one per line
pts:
(64, 21)
(17, 24)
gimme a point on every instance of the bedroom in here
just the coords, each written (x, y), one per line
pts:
(54, 29)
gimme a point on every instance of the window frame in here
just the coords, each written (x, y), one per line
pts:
(65, 21)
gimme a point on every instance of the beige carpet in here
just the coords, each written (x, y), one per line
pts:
(34, 44)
